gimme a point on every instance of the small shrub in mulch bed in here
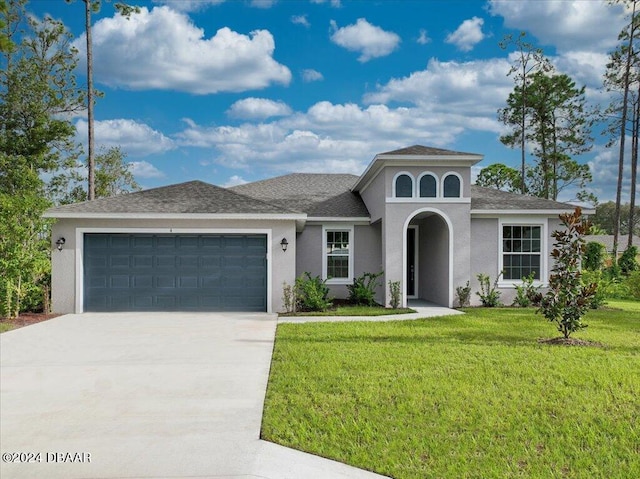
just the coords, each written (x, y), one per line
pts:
(561, 341)
(26, 319)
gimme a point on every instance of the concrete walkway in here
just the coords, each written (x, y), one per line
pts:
(140, 395)
(423, 309)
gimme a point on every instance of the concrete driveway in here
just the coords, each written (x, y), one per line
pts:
(144, 395)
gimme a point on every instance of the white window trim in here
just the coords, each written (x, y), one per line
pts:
(544, 255)
(338, 227)
(444, 177)
(413, 184)
(435, 177)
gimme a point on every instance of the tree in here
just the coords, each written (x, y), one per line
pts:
(558, 127)
(529, 60)
(620, 77)
(113, 177)
(568, 299)
(605, 218)
(501, 177)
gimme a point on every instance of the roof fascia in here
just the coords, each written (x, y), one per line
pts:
(201, 216)
(542, 212)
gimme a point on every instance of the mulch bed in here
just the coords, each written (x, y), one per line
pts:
(570, 342)
(27, 319)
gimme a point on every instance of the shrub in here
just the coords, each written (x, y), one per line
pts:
(627, 261)
(312, 293)
(593, 257)
(464, 295)
(489, 294)
(363, 289)
(394, 293)
(603, 286)
(289, 297)
(526, 293)
(633, 283)
(568, 299)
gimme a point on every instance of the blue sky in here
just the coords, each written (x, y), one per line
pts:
(235, 91)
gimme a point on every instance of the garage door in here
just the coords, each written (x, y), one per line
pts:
(168, 272)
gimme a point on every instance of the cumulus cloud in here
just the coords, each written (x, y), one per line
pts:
(189, 5)
(423, 39)
(258, 108)
(162, 49)
(467, 35)
(300, 20)
(144, 169)
(367, 39)
(135, 139)
(310, 75)
(235, 180)
(566, 24)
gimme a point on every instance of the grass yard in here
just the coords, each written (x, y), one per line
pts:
(354, 311)
(468, 396)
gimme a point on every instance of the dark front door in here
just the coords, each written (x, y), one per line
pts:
(411, 262)
(175, 272)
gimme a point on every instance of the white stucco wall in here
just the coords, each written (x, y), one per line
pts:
(66, 287)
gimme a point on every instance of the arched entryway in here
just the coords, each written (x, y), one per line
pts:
(428, 257)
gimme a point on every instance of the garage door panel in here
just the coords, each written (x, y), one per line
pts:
(148, 272)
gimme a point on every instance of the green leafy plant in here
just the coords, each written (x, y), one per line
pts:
(627, 261)
(526, 293)
(489, 294)
(633, 283)
(363, 289)
(312, 293)
(568, 299)
(604, 286)
(593, 257)
(394, 293)
(464, 295)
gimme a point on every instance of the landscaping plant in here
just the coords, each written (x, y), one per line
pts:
(627, 261)
(526, 293)
(489, 294)
(464, 295)
(568, 299)
(363, 289)
(289, 297)
(593, 258)
(312, 293)
(394, 293)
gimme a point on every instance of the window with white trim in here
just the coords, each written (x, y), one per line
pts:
(428, 186)
(404, 186)
(451, 186)
(338, 254)
(521, 251)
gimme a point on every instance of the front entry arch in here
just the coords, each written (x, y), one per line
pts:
(428, 248)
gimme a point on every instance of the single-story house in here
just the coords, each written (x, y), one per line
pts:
(413, 214)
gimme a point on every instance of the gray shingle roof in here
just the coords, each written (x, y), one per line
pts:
(189, 197)
(607, 241)
(425, 151)
(492, 199)
(318, 195)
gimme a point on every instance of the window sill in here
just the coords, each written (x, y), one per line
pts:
(511, 284)
(340, 281)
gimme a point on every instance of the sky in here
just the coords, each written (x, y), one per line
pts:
(236, 91)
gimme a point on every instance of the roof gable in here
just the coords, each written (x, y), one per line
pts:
(419, 150)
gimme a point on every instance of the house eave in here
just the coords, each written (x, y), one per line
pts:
(199, 216)
(539, 212)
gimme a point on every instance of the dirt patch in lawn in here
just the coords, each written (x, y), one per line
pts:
(570, 342)
(25, 319)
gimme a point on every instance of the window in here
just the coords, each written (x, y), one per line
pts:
(338, 249)
(521, 251)
(428, 187)
(404, 186)
(451, 186)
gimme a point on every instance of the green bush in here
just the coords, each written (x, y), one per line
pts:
(627, 261)
(312, 293)
(363, 289)
(464, 295)
(526, 293)
(593, 257)
(633, 284)
(394, 293)
(489, 294)
(603, 286)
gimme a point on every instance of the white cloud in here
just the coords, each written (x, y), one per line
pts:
(604, 169)
(263, 3)
(566, 24)
(300, 20)
(135, 139)
(163, 49)
(189, 5)
(144, 169)
(467, 35)
(333, 3)
(423, 39)
(258, 108)
(235, 180)
(310, 75)
(367, 39)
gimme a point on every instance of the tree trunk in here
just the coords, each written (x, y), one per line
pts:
(91, 186)
(634, 167)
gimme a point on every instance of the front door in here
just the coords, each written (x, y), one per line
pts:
(412, 250)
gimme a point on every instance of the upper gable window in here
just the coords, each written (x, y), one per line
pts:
(404, 186)
(451, 186)
(428, 186)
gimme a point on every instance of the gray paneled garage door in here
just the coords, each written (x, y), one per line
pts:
(169, 272)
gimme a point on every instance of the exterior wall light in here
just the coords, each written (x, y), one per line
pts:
(284, 243)
(60, 242)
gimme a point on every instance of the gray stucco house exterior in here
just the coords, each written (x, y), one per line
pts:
(412, 214)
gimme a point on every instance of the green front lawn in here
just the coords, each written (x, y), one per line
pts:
(354, 311)
(463, 396)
